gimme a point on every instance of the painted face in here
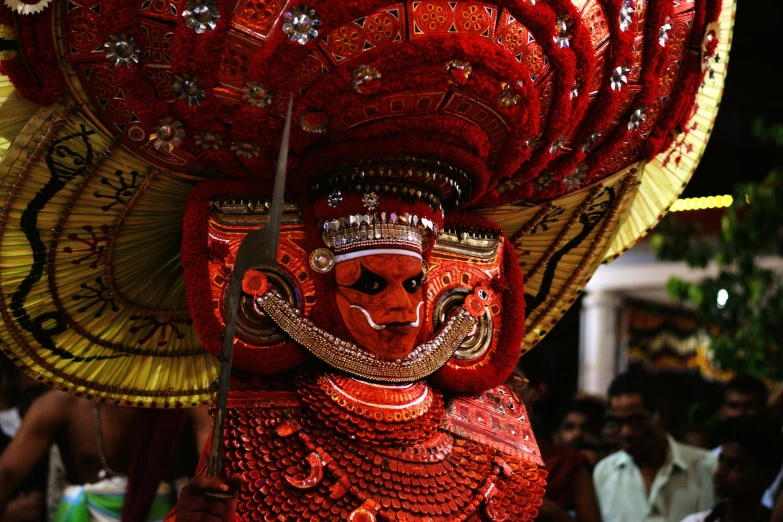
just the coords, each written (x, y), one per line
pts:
(380, 301)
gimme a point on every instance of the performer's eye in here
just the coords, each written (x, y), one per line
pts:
(413, 284)
(369, 283)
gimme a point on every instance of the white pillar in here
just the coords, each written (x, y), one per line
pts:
(599, 341)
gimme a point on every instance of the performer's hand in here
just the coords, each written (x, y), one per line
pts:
(197, 505)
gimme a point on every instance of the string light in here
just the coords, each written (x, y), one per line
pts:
(702, 203)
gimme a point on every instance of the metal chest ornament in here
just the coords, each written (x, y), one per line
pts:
(456, 173)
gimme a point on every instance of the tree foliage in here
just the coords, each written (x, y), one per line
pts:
(745, 300)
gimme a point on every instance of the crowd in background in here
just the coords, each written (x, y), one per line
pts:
(720, 464)
(621, 459)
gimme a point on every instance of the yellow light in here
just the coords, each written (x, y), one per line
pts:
(701, 203)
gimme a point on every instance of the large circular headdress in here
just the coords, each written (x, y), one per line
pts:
(572, 125)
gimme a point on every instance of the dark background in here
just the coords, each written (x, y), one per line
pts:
(754, 89)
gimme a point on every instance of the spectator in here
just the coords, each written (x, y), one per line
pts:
(609, 439)
(751, 457)
(579, 427)
(745, 395)
(569, 488)
(27, 504)
(100, 445)
(653, 478)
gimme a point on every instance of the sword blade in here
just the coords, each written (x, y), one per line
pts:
(259, 247)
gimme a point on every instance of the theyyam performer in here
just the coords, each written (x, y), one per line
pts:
(454, 173)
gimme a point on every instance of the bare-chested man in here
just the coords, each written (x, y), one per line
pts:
(95, 444)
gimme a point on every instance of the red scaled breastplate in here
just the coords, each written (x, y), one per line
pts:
(342, 449)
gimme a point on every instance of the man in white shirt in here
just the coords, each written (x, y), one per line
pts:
(653, 478)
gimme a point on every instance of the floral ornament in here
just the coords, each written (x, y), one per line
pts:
(626, 15)
(122, 50)
(370, 200)
(562, 39)
(25, 7)
(459, 70)
(637, 118)
(8, 43)
(543, 181)
(315, 121)
(208, 140)
(590, 142)
(335, 198)
(619, 77)
(363, 75)
(188, 89)
(257, 95)
(507, 97)
(201, 15)
(663, 33)
(245, 150)
(557, 145)
(301, 24)
(167, 134)
(577, 178)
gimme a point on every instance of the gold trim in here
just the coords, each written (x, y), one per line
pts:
(342, 355)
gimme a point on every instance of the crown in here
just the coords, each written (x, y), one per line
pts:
(378, 231)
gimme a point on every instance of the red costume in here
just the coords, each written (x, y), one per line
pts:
(457, 171)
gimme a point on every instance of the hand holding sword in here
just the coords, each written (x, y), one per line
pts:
(258, 248)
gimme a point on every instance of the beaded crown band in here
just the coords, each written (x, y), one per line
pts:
(376, 231)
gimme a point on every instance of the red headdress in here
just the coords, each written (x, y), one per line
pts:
(483, 136)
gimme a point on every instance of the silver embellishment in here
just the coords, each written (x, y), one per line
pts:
(574, 90)
(188, 89)
(26, 7)
(301, 24)
(576, 178)
(167, 134)
(122, 50)
(257, 95)
(208, 140)
(626, 15)
(370, 200)
(335, 198)
(562, 39)
(363, 75)
(663, 33)
(557, 145)
(375, 230)
(201, 15)
(590, 142)
(619, 77)
(543, 181)
(637, 118)
(322, 260)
